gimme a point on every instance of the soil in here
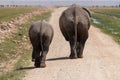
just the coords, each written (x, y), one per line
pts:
(101, 60)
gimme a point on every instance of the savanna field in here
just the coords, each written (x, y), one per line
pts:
(8, 13)
(108, 20)
(15, 51)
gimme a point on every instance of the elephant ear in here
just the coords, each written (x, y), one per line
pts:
(87, 11)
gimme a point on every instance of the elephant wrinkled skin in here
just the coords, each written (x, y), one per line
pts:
(41, 34)
(74, 24)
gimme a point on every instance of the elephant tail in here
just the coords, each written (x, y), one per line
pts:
(41, 37)
(75, 26)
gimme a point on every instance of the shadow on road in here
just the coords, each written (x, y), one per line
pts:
(25, 68)
(61, 58)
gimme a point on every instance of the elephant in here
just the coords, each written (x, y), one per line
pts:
(74, 24)
(41, 35)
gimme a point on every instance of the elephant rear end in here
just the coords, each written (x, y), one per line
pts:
(41, 34)
(74, 24)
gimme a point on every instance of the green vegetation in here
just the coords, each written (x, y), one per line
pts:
(108, 11)
(6, 14)
(109, 19)
(17, 45)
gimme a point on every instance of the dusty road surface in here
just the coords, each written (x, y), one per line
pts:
(101, 58)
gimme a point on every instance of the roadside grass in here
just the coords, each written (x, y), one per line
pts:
(6, 14)
(108, 23)
(6, 49)
(107, 11)
(18, 46)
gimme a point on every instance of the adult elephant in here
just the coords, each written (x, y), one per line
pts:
(74, 25)
(41, 34)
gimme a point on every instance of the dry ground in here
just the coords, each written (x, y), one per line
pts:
(101, 58)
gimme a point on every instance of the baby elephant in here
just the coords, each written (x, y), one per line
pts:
(41, 35)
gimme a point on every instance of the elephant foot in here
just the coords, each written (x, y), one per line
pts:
(42, 65)
(37, 64)
(80, 56)
(73, 57)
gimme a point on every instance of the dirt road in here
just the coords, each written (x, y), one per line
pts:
(101, 58)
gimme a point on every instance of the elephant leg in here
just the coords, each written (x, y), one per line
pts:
(73, 54)
(37, 62)
(36, 56)
(35, 43)
(43, 56)
(80, 48)
(36, 51)
(33, 54)
(46, 43)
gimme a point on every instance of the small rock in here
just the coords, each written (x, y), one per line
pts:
(3, 27)
(9, 25)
